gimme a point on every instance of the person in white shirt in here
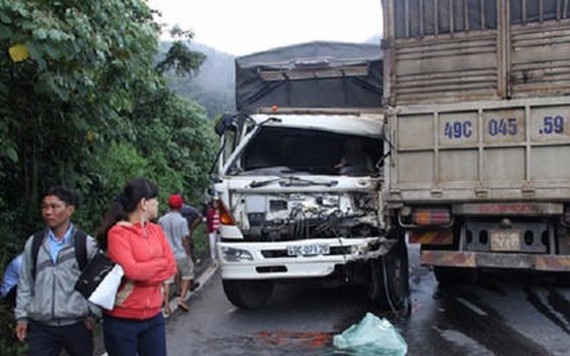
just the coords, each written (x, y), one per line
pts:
(176, 229)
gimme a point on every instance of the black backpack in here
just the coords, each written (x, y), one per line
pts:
(79, 241)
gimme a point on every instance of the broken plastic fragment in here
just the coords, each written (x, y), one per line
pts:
(372, 336)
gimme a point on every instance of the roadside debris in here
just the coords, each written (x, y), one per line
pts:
(372, 336)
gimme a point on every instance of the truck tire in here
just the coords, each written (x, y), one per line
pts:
(247, 294)
(388, 286)
(448, 276)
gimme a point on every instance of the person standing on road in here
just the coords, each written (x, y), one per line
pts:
(49, 313)
(135, 325)
(194, 219)
(213, 225)
(175, 227)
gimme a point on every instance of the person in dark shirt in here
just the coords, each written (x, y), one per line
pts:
(354, 160)
(213, 226)
(194, 219)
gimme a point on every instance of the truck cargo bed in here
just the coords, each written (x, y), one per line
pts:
(481, 151)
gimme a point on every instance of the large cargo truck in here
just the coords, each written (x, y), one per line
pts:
(477, 97)
(298, 179)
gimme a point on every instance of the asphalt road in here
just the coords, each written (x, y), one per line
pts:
(500, 314)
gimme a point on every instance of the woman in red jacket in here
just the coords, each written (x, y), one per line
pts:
(136, 325)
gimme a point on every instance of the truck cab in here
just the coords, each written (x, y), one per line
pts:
(300, 199)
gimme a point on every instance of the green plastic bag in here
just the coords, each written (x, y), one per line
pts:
(372, 336)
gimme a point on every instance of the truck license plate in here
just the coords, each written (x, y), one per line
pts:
(505, 241)
(308, 250)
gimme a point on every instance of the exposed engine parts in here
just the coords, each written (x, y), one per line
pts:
(282, 217)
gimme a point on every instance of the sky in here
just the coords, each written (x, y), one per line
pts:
(240, 27)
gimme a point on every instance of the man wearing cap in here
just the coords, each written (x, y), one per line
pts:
(176, 230)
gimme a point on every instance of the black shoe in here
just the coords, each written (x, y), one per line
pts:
(194, 286)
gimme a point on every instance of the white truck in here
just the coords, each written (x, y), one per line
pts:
(478, 121)
(298, 179)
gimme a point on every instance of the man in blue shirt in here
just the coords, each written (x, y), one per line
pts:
(10, 280)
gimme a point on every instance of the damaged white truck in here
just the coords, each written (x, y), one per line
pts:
(299, 176)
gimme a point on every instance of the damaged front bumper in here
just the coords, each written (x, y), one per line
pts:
(295, 259)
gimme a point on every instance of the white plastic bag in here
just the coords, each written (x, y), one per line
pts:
(105, 293)
(372, 336)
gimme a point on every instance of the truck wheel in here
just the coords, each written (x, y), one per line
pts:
(247, 294)
(388, 284)
(453, 275)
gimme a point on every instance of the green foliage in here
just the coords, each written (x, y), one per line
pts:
(180, 58)
(84, 59)
(8, 342)
(82, 104)
(109, 171)
(182, 162)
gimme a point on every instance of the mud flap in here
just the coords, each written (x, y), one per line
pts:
(388, 285)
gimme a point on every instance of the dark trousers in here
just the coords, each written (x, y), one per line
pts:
(45, 340)
(129, 337)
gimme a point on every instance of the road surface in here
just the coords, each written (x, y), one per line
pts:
(500, 314)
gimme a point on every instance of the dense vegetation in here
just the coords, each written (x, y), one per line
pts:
(83, 103)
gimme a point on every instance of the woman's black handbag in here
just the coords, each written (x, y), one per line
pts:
(100, 280)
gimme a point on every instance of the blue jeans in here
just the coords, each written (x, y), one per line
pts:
(45, 340)
(131, 337)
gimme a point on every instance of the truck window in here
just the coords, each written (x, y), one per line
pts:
(232, 137)
(283, 150)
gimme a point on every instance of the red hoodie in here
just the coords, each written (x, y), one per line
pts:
(147, 260)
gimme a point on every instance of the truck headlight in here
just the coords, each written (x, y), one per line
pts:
(231, 254)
